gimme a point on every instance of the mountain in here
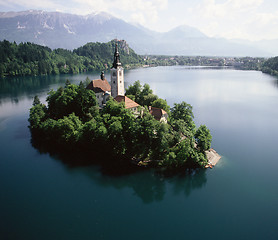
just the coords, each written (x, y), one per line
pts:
(62, 30)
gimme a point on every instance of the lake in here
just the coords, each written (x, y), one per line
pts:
(42, 197)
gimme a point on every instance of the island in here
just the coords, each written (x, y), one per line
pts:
(132, 126)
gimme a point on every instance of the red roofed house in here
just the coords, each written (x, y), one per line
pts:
(129, 104)
(159, 114)
(102, 89)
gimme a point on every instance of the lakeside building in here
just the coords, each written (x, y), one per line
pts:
(104, 90)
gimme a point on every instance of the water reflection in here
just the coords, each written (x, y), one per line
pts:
(14, 87)
(148, 184)
(187, 183)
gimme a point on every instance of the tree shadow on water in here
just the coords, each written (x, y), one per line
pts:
(189, 181)
(150, 185)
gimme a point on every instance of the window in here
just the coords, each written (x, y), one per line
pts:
(120, 73)
(114, 82)
(114, 74)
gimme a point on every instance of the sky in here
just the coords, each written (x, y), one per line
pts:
(233, 19)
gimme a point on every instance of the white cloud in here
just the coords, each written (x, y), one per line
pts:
(236, 19)
(228, 9)
(30, 4)
(141, 10)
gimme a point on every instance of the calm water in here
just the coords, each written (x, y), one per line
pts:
(44, 198)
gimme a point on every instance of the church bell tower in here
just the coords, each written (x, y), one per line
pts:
(117, 76)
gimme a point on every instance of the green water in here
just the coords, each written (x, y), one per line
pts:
(42, 197)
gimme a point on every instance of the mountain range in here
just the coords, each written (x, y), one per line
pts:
(62, 30)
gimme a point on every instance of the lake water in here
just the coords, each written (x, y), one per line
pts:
(44, 198)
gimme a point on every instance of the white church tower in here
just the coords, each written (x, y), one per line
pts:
(117, 76)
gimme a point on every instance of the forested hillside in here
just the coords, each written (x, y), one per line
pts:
(32, 59)
(271, 66)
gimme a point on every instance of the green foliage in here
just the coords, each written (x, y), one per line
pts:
(71, 99)
(71, 120)
(37, 113)
(143, 95)
(183, 111)
(134, 91)
(102, 54)
(184, 154)
(32, 59)
(203, 138)
(271, 66)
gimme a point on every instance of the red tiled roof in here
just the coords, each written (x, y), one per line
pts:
(128, 102)
(99, 85)
(157, 112)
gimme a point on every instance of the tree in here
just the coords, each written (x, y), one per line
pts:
(203, 138)
(184, 112)
(37, 113)
(134, 90)
(36, 101)
(71, 99)
(147, 100)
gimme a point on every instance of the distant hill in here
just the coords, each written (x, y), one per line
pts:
(61, 30)
(32, 59)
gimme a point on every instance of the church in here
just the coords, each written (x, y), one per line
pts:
(104, 90)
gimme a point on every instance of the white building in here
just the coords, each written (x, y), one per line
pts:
(117, 76)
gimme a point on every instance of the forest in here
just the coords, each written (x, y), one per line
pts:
(270, 66)
(29, 59)
(25, 59)
(72, 121)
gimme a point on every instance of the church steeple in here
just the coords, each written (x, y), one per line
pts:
(116, 62)
(117, 76)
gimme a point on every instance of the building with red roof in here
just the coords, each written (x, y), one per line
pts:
(102, 89)
(159, 114)
(129, 104)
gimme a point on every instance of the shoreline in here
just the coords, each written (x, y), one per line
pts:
(213, 158)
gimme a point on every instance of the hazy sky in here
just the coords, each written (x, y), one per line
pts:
(245, 19)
